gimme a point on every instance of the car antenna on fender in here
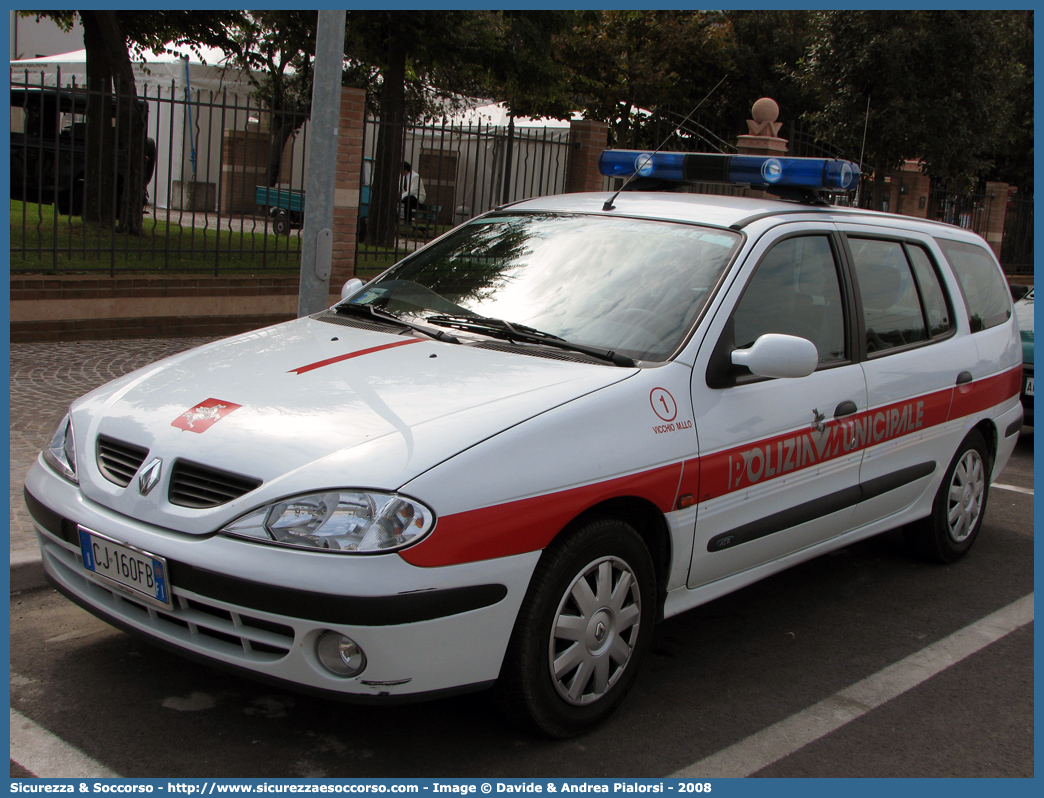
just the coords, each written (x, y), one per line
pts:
(608, 206)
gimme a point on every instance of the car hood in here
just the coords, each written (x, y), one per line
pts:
(308, 405)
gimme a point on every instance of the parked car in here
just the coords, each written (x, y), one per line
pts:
(49, 148)
(504, 460)
(1024, 314)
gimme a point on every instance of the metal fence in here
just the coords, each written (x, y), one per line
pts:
(225, 192)
(207, 154)
(973, 211)
(466, 170)
(1017, 246)
(970, 211)
(215, 154)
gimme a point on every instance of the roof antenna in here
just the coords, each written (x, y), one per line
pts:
(608, 206)
(862, 150)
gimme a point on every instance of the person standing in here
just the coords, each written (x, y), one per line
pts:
(413, 193)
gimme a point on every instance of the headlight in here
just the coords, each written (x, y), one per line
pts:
(60, 453)
(346, 521)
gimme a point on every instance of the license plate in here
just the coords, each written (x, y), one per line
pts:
(125, 567)
(1028, 390)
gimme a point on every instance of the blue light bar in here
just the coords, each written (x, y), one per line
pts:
(753, 170)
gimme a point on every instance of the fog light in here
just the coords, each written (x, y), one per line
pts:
(340, 655)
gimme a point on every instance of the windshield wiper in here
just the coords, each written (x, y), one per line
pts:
(384, 316)
(524, 334)
(486, 324)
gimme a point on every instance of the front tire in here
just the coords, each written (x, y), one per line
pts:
(949, 532)
(582, 631)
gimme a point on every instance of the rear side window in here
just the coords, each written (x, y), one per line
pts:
(985, 290)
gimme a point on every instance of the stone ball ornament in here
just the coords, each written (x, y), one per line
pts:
(765, 112)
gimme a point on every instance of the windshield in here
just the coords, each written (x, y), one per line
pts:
(628, 285)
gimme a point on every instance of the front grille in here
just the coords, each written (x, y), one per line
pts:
(193, 620)
(199, 486)
(119, 461)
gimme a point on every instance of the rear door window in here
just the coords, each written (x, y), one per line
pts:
(984, 287)
(902, 299)
(936, 307)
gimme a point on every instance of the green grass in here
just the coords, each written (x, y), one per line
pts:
(43, 241)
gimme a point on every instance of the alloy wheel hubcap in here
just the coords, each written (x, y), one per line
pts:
(967, 489)
(595, 630)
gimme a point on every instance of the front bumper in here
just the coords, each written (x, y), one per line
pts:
(262, 609)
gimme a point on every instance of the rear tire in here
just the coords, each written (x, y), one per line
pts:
(582, 631)
(281, 223)
(949, 532)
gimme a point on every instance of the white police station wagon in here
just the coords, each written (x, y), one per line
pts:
(506, 458)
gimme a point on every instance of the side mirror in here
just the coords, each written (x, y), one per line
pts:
(351, 287)
(775, 355)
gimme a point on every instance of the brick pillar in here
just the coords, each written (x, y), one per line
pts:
(772, 146)
(761, 137)
(346, 188)
(587, 139)
(761, 145)
(996, 210)
(908, 191)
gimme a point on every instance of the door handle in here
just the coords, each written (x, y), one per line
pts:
(964, 378)
(845, 409)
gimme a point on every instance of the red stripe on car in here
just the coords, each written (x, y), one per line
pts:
(974, 397)
(330, 361)
(530, 524)
(756, 462)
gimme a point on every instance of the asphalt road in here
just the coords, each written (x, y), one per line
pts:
(743, 665)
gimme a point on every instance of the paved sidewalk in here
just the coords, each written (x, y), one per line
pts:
(45, 378)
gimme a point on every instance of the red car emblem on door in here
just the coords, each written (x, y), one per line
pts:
(204, 415)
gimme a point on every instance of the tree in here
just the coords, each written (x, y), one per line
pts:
(407, 46)
(627, 63)
(278, 50)
(520, 66)
(415, 65)
(1014, 159)
(113, 98)
(764, 53)
(941, 87)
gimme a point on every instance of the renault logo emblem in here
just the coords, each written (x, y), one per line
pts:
(600, 632)
(149, 476)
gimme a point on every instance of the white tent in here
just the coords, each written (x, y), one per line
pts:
(498, 115)
(189, 140)
(182, 67)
